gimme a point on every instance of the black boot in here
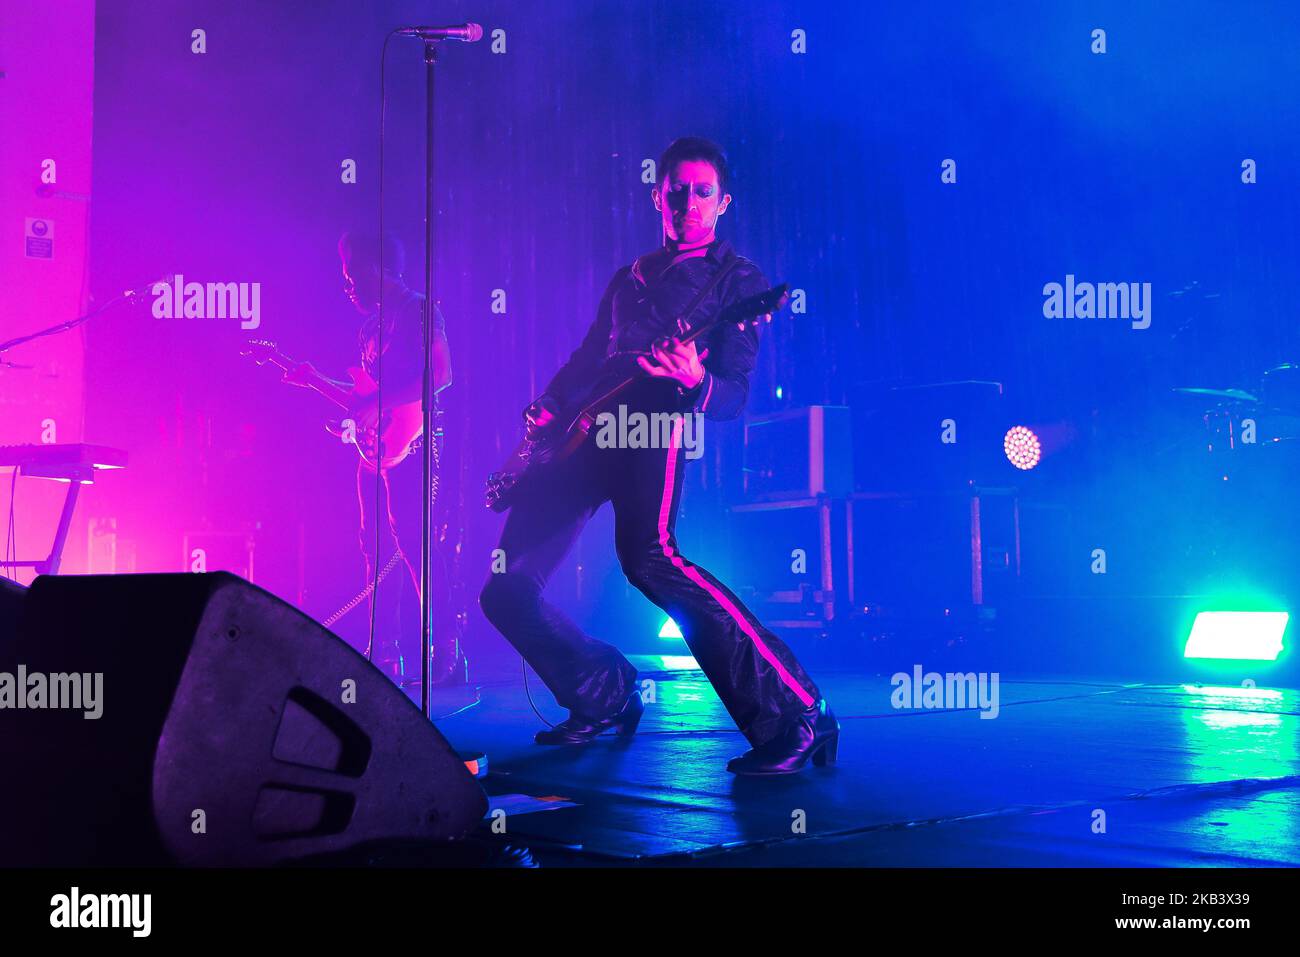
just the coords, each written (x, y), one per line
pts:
(579, 730)
(814, 734)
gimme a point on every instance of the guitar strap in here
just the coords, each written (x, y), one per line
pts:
(681, 321)
(708, 287)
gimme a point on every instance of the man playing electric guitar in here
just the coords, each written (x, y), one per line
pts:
(397, 513)
(773, 701)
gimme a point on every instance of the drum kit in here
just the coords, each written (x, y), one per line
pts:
(1265, 418)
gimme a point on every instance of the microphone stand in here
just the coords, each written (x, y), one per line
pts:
(129, 295)
(427, 393)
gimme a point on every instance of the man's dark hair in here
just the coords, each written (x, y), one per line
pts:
(694, 148)
(362, 246)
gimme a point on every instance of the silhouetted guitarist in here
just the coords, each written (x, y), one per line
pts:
(398, 513)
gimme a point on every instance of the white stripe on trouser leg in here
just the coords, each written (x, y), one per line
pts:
(665, 506)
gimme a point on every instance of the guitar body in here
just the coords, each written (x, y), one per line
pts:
(535, 456)
(381, 448)
(399, 428)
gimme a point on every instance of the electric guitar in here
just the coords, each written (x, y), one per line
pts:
(563, 436)
(399, 429)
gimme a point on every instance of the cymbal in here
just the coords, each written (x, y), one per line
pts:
(1237, 395)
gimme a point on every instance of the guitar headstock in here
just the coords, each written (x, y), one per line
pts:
(260, 351)
(754, 310)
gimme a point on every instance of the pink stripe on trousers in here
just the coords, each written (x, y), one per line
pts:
(665, 506)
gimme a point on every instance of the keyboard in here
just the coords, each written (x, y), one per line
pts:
(67, 461)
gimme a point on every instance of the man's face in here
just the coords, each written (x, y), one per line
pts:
(361, 285)
(690, 201)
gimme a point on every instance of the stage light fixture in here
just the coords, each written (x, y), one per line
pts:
(1238, 635)
(669, 629)
(1022, 447)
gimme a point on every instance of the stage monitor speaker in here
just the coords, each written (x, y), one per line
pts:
(206, 722)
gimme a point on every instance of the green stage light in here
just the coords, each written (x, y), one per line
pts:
(670, 629)
(1238, 635)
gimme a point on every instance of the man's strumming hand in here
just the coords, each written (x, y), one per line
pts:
(673, 359)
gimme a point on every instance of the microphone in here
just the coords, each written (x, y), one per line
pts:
(468, 32)
(147, 289)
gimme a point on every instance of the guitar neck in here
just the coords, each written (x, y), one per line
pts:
(339, 396)
(699, 331)
(744, 311)
(600, 400)
(317, 382)
(690, 336)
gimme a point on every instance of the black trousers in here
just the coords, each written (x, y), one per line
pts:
(754, 673)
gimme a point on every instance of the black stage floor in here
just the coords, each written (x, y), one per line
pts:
(1069, 773)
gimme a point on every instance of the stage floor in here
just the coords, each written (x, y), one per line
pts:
(1069, 773)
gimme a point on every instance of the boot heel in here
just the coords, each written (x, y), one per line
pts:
(828, 752)
(628, 727)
